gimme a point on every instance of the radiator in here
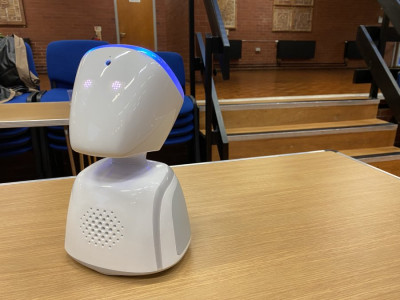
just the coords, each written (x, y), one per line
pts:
(295, 49)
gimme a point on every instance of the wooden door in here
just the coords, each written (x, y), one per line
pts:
(136, 23)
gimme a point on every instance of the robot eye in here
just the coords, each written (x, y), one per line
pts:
(116, 85)
(88, 83)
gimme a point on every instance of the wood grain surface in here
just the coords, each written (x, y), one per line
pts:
(13, 115)
(309, 226)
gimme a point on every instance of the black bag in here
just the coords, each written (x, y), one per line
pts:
(15, 77)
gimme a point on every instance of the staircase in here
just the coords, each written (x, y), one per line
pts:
(255, 127)
(269, 126)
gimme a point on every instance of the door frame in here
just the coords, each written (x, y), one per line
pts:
(154, 24)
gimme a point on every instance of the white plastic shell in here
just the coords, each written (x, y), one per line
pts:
(125, 101)
(127, 217)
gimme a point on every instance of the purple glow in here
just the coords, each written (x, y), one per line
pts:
(116, 85)
(88, 83)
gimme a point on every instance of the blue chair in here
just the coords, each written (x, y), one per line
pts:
(17, 141)
(185, 129)
(63, 59)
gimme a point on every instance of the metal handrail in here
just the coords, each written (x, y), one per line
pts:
(214, 117)
(215, 43)
(371, 42)
(392, 10)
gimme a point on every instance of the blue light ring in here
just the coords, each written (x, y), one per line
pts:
(152, 55)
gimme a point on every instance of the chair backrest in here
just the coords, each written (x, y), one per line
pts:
(14, 141)
(63, 58)
(175, 61)
(31, 63)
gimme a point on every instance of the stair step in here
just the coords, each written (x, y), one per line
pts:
(371, 153)
(328, 97)
(295, 129)
(308, 129)
(308, 137)
(240, 115)
(384, 158)
(387, 164)
(280, 125)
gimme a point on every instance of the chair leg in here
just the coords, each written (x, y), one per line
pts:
(45, 153)
(36, 150)
(197, 156)
(81, 161)
(90, 160)
(70, 153)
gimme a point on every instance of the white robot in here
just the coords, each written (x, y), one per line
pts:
(127, 215)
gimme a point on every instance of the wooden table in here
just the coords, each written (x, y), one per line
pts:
(13, 115)
(38, 114)
(316, 225)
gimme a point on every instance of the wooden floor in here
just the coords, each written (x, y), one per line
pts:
(284, 82)
(278, 82)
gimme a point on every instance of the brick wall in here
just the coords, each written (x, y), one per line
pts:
(57, 20)
(173, 22)
(333, 23)
(161, 21)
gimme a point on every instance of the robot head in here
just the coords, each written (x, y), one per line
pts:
(125, 102)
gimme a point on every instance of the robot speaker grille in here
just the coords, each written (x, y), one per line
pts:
(101, 228)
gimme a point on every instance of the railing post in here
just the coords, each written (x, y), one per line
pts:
(392, 10)
(217, 42)
(208, 95)
(380, 72)
(373, 93)
(192, 77)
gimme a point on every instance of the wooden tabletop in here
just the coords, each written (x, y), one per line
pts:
(13, 115)
(307, 226)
